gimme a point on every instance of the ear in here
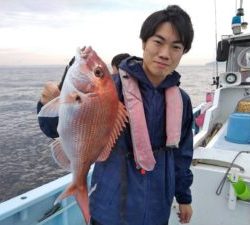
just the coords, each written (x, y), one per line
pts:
(143, 45)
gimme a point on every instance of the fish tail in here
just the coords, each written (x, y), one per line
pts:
(81, 195)
(83, 202)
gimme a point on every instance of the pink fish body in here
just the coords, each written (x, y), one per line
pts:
(91, 118)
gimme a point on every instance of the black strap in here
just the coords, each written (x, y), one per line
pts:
(65, 72)
(94, 222)
(124, 192)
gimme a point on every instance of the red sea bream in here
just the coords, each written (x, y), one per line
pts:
(91, 118)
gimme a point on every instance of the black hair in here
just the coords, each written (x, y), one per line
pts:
(118, 58)
(178, 18)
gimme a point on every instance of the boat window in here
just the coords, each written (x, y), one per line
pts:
(239, 57)
(239, 60)
(243, 58)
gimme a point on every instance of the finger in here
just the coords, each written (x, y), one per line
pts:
(183, 217)
(49, 92)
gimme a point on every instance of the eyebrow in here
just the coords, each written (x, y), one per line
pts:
(163, 39)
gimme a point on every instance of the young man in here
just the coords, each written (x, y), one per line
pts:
(123, 191)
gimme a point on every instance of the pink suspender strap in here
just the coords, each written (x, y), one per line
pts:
(143, 153)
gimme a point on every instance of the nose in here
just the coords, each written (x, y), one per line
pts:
(165, 52)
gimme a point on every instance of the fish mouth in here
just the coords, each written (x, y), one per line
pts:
(84, 52)
(87, 71)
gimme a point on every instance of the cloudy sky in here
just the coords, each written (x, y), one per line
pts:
(49, 31)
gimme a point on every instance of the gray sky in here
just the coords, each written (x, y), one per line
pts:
(49, 31)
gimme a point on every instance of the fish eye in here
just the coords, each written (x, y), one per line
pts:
(98, 72)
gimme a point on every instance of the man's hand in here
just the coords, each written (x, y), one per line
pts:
(185, 213)
(49, 92)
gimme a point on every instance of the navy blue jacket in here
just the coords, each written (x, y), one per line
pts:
(122, 195)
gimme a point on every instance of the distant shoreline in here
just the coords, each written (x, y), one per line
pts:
(63, 65)
(30, 66)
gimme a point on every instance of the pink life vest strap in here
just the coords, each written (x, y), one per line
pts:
(174, 111)
(142, 148)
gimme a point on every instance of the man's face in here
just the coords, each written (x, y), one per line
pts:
(162, 53)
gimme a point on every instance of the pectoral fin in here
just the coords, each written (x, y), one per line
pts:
(50, 109)
(59, 155)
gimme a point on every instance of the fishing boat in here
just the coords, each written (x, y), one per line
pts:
(221, 163)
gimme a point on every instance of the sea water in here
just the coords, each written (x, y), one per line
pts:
(25, 158)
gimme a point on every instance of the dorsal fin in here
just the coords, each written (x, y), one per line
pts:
(59, 155)
(50, 109)
(119, 125)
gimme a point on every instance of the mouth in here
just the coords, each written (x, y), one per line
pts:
(161, 65)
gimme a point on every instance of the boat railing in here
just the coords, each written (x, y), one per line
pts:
(19, 205)
(36, 207)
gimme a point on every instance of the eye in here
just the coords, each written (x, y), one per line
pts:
(157, 42)
(178, 47)
(98, 72)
